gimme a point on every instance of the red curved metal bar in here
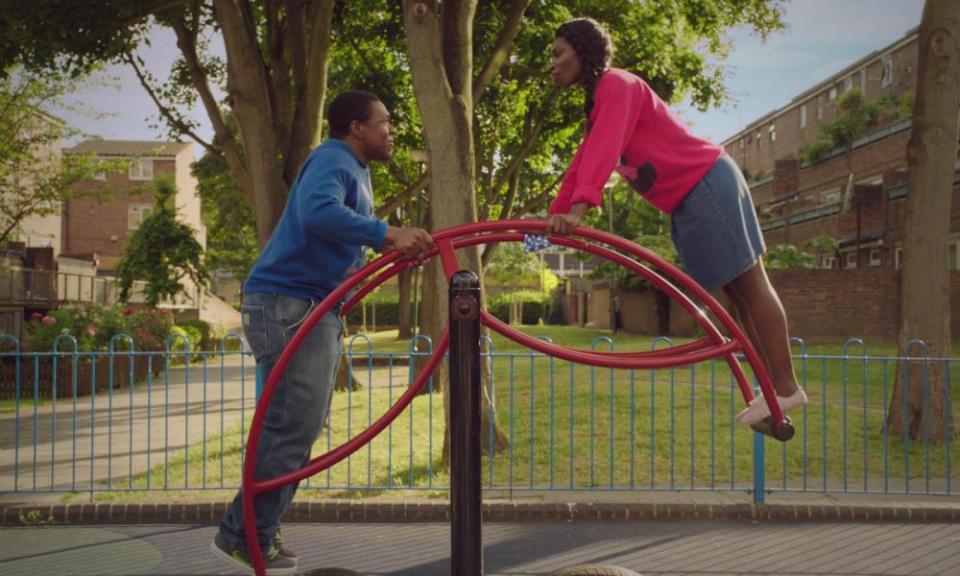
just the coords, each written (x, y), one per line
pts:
(608, 360)
(450, 239)
(660, 282)
(321, 463)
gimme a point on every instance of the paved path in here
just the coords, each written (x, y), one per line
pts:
(119, 435)
(713, 548)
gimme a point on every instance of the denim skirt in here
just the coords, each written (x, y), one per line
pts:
(715, 228)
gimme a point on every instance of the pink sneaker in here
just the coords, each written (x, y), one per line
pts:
(758, 409)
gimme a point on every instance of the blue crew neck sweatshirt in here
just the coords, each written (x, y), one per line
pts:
(320, 238)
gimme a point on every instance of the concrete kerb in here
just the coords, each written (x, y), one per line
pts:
(799, 508)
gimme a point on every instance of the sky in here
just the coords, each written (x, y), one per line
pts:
(822, 38)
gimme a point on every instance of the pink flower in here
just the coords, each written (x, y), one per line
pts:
(92, 330)
(127, 311)
(48, 321)
(36, 315)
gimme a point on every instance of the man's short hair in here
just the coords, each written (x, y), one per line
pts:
(347, 107)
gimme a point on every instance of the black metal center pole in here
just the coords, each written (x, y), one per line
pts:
(466, 550)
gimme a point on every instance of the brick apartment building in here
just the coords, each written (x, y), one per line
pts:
(96, 227)
(855, 195)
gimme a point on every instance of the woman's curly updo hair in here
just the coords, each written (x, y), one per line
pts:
(592, 43)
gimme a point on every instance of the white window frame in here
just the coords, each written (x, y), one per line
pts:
(136, 212)
(875, 180)
(898, 257)
(863, 82)
(829, 262)
(955, 263)
(772, 130)
(803, 116)
(850, 259)
(875, 258)
(141, 169)
(832, 93)
(848, 83)
(831, 195)
(886, 71)
(820, 107)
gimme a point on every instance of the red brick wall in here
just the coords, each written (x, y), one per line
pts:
(833, 305)
(100, 225)
(821, 305)
(758, 154)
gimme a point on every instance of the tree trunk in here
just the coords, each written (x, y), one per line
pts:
(276, 133)
(345, 377)
(249, 98)
(919, 407)
(440, 48)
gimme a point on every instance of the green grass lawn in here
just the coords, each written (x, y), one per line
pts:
(26, 405)
(578, 427)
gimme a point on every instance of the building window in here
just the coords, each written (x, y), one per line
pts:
(886, 77)
(829, 262)
(141, 169)
(875, 180)
(803, 116)
(741, 143)
(953, 256)
(875, 257)
(848, 84)
(772, 129)
(756, 137)
(831, 196)
(136, 213)
(863, 82)
(820, 107)
(850, 259)
(832, 94)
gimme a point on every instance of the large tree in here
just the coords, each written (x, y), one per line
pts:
(664, 41)
(34, 178)
(920, 406)
(163, 252)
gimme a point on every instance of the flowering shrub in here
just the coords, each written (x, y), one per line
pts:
(94, 325)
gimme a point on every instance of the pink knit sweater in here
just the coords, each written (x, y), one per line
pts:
(632, 131)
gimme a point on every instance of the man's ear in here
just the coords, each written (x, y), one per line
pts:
(356, 129)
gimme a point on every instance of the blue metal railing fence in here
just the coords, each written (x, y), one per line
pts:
(128, 420)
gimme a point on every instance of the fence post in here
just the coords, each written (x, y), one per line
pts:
(759, 465)
(259, 384)
(466, 558)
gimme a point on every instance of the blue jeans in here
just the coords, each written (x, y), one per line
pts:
(299, 406)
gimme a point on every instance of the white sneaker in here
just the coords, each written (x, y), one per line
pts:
(758, 409)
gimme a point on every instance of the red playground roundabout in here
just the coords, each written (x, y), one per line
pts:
(723, 340)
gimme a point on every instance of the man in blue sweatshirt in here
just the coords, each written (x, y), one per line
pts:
(318, 242)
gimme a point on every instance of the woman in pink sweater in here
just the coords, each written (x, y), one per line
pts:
(714, 224)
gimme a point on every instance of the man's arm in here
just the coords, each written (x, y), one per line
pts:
(320, 202)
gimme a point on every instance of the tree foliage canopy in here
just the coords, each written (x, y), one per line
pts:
(281, 56)
(34, 178)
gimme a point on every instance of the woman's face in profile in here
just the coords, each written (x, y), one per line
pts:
(566, 68)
